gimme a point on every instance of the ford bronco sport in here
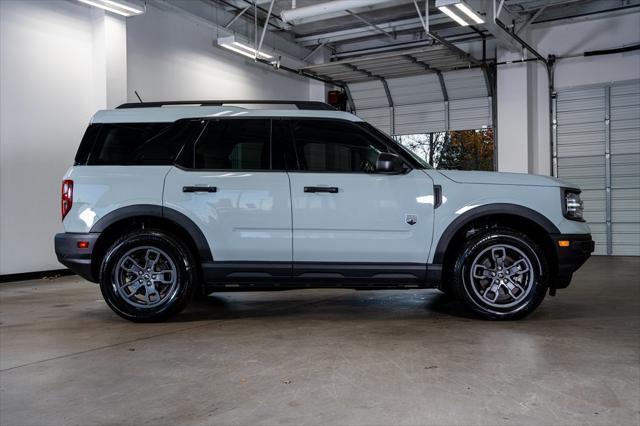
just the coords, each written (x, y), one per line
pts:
(170, 200)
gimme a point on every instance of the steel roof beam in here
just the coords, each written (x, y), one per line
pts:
(359, 32)
(374, 26)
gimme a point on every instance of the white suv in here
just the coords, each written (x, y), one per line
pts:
(170, 200)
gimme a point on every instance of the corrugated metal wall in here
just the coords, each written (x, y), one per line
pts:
(420, 106)
(372, 104)
(597, 140)
(625, 168)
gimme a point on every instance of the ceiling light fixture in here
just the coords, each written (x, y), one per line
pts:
(451, 14)
(119, 7)
(469, 15)
(235, 46)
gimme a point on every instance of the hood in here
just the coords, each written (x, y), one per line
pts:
(495, 178)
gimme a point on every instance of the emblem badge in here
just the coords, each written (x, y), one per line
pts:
(412, 219)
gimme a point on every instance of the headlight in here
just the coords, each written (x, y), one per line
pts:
(573, 206)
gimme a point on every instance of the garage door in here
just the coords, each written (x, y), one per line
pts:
(597, 147)
(418, 104)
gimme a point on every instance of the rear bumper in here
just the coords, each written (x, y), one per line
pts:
(572, 257)
(75, 258)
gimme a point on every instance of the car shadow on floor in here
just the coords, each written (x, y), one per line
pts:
(343, 306)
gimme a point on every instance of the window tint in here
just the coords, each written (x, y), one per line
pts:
(234, 145)
(116, 143)
(335, 146)
(89, 138)
(164, 147)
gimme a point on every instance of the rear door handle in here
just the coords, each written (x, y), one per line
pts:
(328, 189)
(199, 189)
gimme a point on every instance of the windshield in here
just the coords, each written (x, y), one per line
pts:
(418, 163)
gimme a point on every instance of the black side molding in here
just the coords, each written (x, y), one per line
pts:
(488, 210)
(162, 212)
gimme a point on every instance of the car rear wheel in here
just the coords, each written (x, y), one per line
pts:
(147, 276)
(500, 274)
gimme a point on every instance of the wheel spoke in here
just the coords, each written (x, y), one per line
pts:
(151, 257)
(485, 272)
(498, 254)
(511, 285)
(134, 266)
(150, 291)
(160, 277)
(134, 290)
(495, 289)
(519, 267)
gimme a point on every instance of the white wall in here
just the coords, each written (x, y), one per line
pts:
(50, 86)
(171, 56)
(60, 61)
(526, 114)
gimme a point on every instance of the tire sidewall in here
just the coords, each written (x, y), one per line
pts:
(487, 239)
(180, 256)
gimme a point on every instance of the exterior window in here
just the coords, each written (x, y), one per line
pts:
(453, 150)
(335, 146)
(234, 145)
(114, 144)
(163, 148)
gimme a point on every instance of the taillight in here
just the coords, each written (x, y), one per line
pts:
(67, 197)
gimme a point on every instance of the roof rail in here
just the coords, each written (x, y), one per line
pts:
(302, 105)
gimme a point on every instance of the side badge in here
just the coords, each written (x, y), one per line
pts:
(412, 219)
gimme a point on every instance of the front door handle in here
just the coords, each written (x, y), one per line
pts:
(199, 189)
(328, 189)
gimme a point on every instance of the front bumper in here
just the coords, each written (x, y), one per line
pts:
(75, 258)
(572, 257)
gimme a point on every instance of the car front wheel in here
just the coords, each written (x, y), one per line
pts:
(147, 276)
(500, 274)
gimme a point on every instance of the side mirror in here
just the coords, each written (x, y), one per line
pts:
(389, 163)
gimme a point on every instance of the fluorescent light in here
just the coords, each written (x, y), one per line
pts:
(452, 15)
(241, 48)
(124, 6)
(117, 7)
(242, 52)
(251, 50)
(470, 13)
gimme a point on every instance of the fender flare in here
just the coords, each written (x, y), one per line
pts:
(488, 210)
(152, 210)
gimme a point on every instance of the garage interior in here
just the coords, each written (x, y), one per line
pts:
(543, 87)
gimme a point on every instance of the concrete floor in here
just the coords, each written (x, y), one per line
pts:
(323, 357)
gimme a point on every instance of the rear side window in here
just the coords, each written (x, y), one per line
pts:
(234, 145)
(136, 143)
(164, 148)
(115, 144)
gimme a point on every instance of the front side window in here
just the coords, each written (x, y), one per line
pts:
(335, 146)
(234, 145)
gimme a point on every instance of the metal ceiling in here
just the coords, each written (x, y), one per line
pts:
(404, 63)
(398, 17)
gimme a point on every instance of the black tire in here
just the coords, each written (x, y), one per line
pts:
(169, 299)
(512, 302)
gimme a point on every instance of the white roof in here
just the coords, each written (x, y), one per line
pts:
(167, 114)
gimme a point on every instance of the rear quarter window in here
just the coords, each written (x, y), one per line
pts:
(136, 143)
